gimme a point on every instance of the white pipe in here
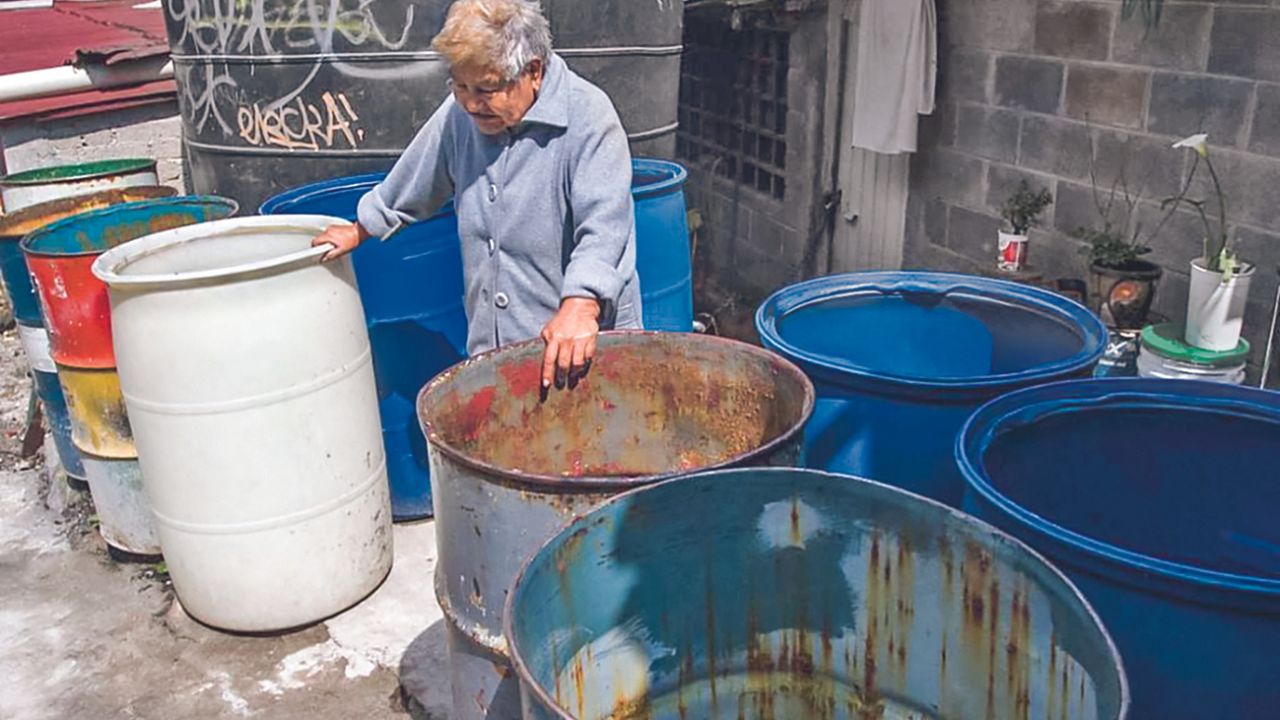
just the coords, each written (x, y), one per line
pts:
(70, 78)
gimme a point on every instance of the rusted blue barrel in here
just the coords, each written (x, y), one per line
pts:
(901, 359)
(1159, 497)
(510, 463)
(785, 593)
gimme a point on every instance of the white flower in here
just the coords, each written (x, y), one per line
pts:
(1197, 142)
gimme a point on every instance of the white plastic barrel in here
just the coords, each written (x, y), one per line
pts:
(245, 366)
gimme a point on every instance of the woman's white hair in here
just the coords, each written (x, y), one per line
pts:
(504, 35)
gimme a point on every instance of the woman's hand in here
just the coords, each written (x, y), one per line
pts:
(571, 340)
(343, 238)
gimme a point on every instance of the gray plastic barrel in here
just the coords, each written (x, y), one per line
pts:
(510, 464)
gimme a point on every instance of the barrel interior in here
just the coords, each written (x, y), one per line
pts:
(1185, 482)
(931, 336)
(221, 249)
(651, 404)
(792, 594)
(34, 217)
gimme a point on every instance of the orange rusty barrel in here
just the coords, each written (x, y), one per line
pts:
(510, 463)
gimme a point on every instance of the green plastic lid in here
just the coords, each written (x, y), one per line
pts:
(1166, 340)
(79, 171)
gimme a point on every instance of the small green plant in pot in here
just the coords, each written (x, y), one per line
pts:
(1219, 278)
(1021, 211)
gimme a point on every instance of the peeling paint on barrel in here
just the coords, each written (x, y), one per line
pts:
(99, 419)
(856, 624)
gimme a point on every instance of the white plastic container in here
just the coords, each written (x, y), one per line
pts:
(1215, 310)
(246, 369)
(1166, 355)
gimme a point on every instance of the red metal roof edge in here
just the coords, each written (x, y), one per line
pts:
(116, 31)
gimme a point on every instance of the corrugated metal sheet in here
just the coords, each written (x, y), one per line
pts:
(105, 32)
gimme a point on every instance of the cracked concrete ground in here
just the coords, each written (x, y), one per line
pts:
(82, 636)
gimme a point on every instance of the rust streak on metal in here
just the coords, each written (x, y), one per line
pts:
(871, 638)
(796, 537)
(579, 685)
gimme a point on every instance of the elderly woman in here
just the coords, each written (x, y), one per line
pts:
(538, 166)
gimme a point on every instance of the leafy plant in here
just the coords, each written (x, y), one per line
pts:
(1119, 241)
(1150, 10)
(1108, 248)
(1022, 209)
(1218, 254)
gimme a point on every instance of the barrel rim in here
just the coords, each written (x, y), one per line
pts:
(831, 287)
(977, 431)
(107, 266)
(580, 522)
(557, 483)
(16, 225)
(31, 239)
(279, 204)
(73, 172)
(675, 176)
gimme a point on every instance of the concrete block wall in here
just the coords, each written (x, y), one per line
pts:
(751, 244)
(152, 131)
(1028, 87)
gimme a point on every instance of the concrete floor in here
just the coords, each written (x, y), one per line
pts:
(82, 636)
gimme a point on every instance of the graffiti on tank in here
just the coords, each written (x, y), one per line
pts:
(214, 37)
(301, 124)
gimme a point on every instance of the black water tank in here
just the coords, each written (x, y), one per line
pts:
(278, 93)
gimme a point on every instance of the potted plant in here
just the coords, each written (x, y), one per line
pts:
(1122, 285)
(1021, 211)
(1219, 278)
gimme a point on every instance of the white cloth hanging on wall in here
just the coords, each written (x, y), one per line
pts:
(896, 74)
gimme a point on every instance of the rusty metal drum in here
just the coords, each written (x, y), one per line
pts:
(510, 463)
(94, 422)
(782, 593)
(60, 255)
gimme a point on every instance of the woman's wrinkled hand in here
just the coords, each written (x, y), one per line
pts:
(571, 341)
(342, 238)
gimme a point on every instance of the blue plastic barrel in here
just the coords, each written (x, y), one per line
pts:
(782, 593)
(662, 244)
(900, 360)
(1159, 498)
(57, 418)
(412, 292)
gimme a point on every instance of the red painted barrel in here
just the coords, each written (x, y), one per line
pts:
(76, 306)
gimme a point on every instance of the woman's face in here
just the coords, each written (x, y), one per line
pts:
(495, 105)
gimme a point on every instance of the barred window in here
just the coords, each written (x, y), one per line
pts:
(733, 103)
